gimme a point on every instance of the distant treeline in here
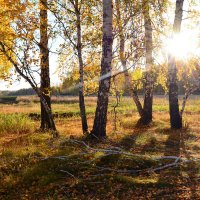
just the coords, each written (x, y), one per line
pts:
(158, 90)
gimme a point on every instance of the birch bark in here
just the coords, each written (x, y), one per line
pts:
(99, 127)
(175, 117)
(44, 74)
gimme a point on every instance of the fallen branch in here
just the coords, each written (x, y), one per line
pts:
(70, 174)
(108, 151)
(116, 151)
(175, 163)
(65, 157)
(119, 170)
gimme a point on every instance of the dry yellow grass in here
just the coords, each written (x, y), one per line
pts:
(28, 175)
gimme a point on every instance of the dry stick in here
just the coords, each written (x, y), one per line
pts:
(117, 150)
(119, 170)
(65, 157)
(187, 94)
(117, 96)
(114, 151)
(175, 163)
(69, 174)
(105, 150)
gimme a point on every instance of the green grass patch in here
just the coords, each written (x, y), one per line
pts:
(15, 124)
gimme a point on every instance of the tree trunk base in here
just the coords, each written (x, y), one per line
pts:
(143, 121)
(177, 125)
(93, 136)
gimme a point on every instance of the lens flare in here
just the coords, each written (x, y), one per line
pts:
(184, 45)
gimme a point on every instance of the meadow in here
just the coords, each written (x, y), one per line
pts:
(151, 162)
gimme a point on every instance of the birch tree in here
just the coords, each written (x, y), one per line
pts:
(77, 27)
(77, 8)
(100, 121)
(144, 111)
(148, 96)
(24, 54)
(45, 86)
(123, 59)
(175, 117)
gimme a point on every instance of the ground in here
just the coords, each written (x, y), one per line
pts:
(126, 165)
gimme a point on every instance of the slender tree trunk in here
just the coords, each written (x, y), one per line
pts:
(99, 127)
(145, 112)
(35, 88)
(175, 117)
(81, 79)
(44, 62)
(148, 97)
(127, 77)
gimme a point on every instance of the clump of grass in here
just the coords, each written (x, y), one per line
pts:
(143, 139)
(15, 124)
(7, 153)
(128, 123)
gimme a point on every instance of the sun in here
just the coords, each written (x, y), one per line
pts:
(183, 45)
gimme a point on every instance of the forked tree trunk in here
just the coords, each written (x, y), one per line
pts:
(48, 114)
(81, 78)
(148, 97)
(175, 117)
(44, 75)
(146, 111)
(99, 127)
(127, 77)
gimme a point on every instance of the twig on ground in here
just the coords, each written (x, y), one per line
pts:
(175, 163)
(70, 174)
(118, 151)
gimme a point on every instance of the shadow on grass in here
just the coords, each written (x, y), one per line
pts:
(183, 176)
(81, 175)
(129, 141)
(36, 177)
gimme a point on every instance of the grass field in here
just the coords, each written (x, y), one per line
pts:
(125, 166)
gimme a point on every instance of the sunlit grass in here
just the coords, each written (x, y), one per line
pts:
(15, 124)
(28, 167)
(70, 104)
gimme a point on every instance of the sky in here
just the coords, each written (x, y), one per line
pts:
(53, 59)
(16, 85)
